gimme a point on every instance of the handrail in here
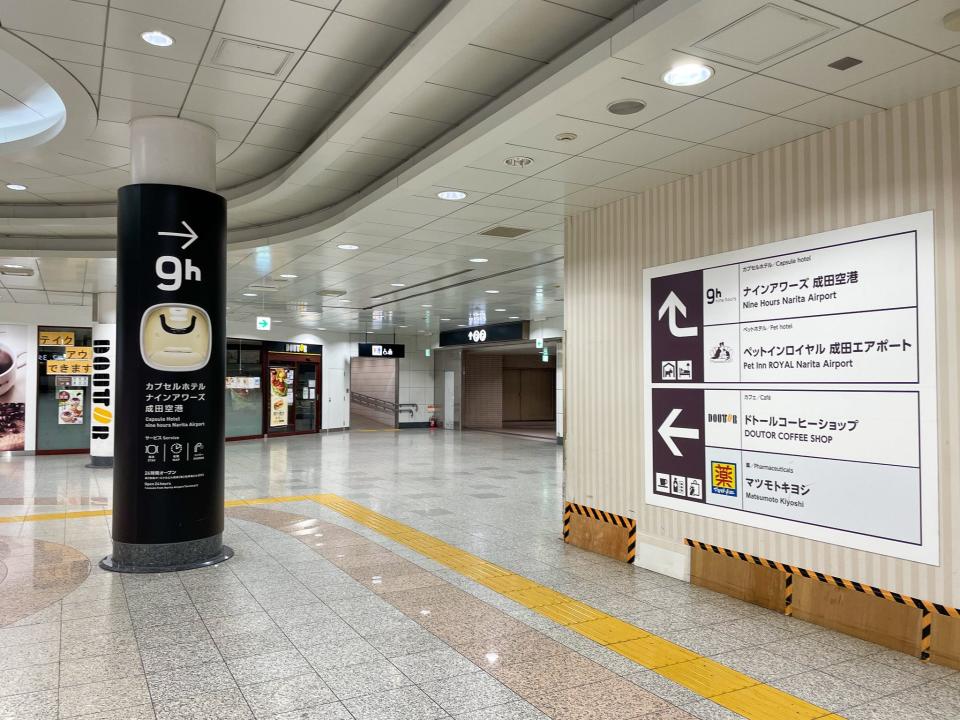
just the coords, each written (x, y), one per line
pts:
(373, 402)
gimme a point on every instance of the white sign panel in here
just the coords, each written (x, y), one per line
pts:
(792, 387)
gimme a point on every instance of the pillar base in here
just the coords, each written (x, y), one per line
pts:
(100, 462)
(166, 557)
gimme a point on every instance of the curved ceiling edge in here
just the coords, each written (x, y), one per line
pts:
(81, 113)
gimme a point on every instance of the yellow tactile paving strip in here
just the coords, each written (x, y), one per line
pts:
(740, 693)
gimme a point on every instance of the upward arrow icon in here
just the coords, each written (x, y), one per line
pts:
(674, 305)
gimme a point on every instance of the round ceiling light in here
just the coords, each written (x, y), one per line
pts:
(287, 276)
(249, 294)
(348, 247)
(492, 292)
(565, 137)
(688, 74)
(157, 38)
(426, 306)
(398, 284)
(11, 266)
(451, 195)
(478, 260)
(518, 161)
(499, 309)
(626, 107)
(16, 186)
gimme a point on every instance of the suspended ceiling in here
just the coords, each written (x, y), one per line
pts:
(437, 97)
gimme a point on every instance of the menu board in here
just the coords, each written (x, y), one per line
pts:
(792, 387)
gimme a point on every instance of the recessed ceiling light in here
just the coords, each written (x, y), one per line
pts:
(401, 326)
(157, 38)
(461, 325)
(513, 317)
(519, 161)
(14, 267)
(565, 136)
(445, 319)
(16, 186)
(426, 306)
(492, 292)
(688, 74)
(249, 294)
(346, 246)
(343, 300)
(478, 260)
(287, 276)
(321, 328)
(499, 309)
(398, 284)
(451, 195)
(626, 107)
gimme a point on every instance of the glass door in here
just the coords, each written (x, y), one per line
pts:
(292, 394)
(305, 397)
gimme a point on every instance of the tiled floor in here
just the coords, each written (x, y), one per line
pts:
(348, 624)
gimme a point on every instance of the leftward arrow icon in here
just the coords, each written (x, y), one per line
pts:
(668, 432)
(193, 236)
(674, 305)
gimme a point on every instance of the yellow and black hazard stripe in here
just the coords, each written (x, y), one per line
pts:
(926, 607)
(628, 524)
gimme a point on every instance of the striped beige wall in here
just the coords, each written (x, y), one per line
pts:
(887, 164)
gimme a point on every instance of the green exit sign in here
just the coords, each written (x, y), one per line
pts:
(263, 323)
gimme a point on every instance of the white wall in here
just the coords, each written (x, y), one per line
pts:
(416, 371)
(335, 412)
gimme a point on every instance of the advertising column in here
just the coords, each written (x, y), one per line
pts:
(171, 285)
(102, 395)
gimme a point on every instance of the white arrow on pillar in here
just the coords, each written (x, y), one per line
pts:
(673, 305)
(193, 236)
(668, 432)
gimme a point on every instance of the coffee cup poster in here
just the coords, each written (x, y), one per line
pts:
(13, 386)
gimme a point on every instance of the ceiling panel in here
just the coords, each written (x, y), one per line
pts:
(360, 40)
(227, 104)
(765, 134)
(142, 88)
(584, 171)
(878, 54)
(830, 110)
(407, 15)
(61, 18)
(697, 158)
(406, 130)
(124, 28)
(482, 70)
(437, 102)
(330, 73)
(202, 13)
(915, 80)
(284, 22)
(765, 94)
(236, 82)
(640, 179)
(144, 64)
(637, 148)
(701, 120)
(557, 28)
(860, 11)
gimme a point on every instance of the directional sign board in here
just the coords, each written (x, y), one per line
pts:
(263, 322)
(792, 387)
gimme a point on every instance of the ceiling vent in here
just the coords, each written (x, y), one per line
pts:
(250, 57)
(262, 287)
(505, 231)
(764, 35)
(331, 293)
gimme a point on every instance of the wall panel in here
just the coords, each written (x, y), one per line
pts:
(887, 164)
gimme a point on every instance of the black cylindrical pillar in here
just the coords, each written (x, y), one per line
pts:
(169, 432)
